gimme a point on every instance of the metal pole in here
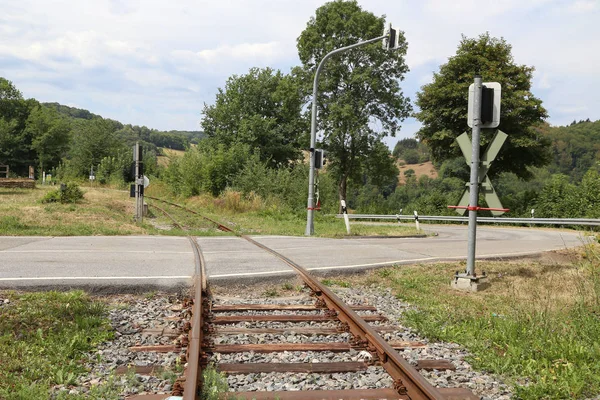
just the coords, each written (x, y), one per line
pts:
(137, 187)
(310, 229)
(474, 182)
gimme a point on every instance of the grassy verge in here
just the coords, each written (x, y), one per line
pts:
(252, 217)
(110, 212)
(102, 212)
(538, 323)
(43, 337)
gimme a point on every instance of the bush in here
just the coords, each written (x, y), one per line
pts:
(411, 156)
(67, 193)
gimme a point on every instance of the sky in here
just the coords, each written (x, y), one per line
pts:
(157, 62)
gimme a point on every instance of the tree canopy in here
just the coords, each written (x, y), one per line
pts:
(261, 109)
(443, 106)
(358, 89)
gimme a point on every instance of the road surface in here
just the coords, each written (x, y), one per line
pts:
(167, 262)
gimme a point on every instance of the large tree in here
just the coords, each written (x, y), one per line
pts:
(15, 144)
(92, 141)
(360, 100)
(49, 134)
(261, 109)
(443, 106)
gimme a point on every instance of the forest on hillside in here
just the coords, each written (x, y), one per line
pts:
(69, 142)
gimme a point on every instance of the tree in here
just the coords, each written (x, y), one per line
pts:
(50, 135)
(443, 106)
(92, 141)
(358, 89)
(261, 109)
(15, 144)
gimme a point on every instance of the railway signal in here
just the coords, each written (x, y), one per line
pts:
(138, 186)
(483, 112)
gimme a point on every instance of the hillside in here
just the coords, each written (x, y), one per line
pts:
(172, 139)
(420, 169)
(575, 148)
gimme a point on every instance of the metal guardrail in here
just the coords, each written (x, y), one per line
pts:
(498, 220)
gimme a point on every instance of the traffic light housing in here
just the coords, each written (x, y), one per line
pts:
(319, 158)
(391, 41)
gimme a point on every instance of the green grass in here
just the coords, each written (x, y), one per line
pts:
(43, 340)
(538, 323)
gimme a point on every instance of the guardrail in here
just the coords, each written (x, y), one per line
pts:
(498, 220)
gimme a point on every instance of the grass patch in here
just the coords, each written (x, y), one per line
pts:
(336, 282)
(43, 339)
(538, 323)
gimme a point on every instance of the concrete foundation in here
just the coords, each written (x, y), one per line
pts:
(469, 283)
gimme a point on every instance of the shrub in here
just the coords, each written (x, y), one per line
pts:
(67, 193)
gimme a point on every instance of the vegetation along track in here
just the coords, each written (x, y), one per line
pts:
(211, 321)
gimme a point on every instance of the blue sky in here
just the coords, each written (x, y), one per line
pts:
(156, 63)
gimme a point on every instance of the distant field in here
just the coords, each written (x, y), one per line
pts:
(164, 160)
(420, 169)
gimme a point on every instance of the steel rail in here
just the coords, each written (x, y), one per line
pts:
(499, 220)
(407, 380)
(192, 387)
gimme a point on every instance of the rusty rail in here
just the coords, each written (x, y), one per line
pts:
(191, 387)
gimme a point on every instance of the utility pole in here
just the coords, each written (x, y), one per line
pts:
(390, 45)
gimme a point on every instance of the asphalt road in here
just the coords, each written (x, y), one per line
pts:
(167, 262)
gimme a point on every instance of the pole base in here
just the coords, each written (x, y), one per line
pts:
(468, 283)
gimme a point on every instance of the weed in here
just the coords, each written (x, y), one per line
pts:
(214, 383)
(384, 273)
(150, 295)
(287, 286)
(271, 292)
(336, 282)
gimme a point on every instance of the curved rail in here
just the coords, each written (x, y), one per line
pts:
(407, 380)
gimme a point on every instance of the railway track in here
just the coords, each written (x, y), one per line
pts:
(333, 327)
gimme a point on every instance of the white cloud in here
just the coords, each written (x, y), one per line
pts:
(155, 62)
(240, 52)
(583, 6)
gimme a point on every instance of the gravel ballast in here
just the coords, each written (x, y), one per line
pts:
(131, 315)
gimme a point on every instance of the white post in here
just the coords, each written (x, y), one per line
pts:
(346, 219)
(43, 177)
(417, 221)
